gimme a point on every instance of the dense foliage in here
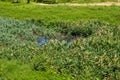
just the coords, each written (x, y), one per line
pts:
(47, 1)
(92, 54)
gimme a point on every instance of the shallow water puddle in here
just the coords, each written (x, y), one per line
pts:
(43, 40)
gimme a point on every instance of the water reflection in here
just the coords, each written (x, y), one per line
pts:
(42, 40)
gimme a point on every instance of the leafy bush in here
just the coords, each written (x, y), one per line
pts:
(65, 1)
(47, 1)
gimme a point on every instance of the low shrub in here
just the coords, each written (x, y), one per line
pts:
(47, 1)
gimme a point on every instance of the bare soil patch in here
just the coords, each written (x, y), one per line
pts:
(84, 4)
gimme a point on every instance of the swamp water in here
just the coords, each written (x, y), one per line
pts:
(43, 40)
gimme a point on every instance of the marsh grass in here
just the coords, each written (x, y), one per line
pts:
(95, 56)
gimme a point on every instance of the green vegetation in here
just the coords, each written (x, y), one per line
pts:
(60, 13)
(14, 70)
(93, 52)
(47, 1)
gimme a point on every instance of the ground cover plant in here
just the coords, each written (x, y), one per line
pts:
(93, 51)
(15, 55)
(83, 42)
